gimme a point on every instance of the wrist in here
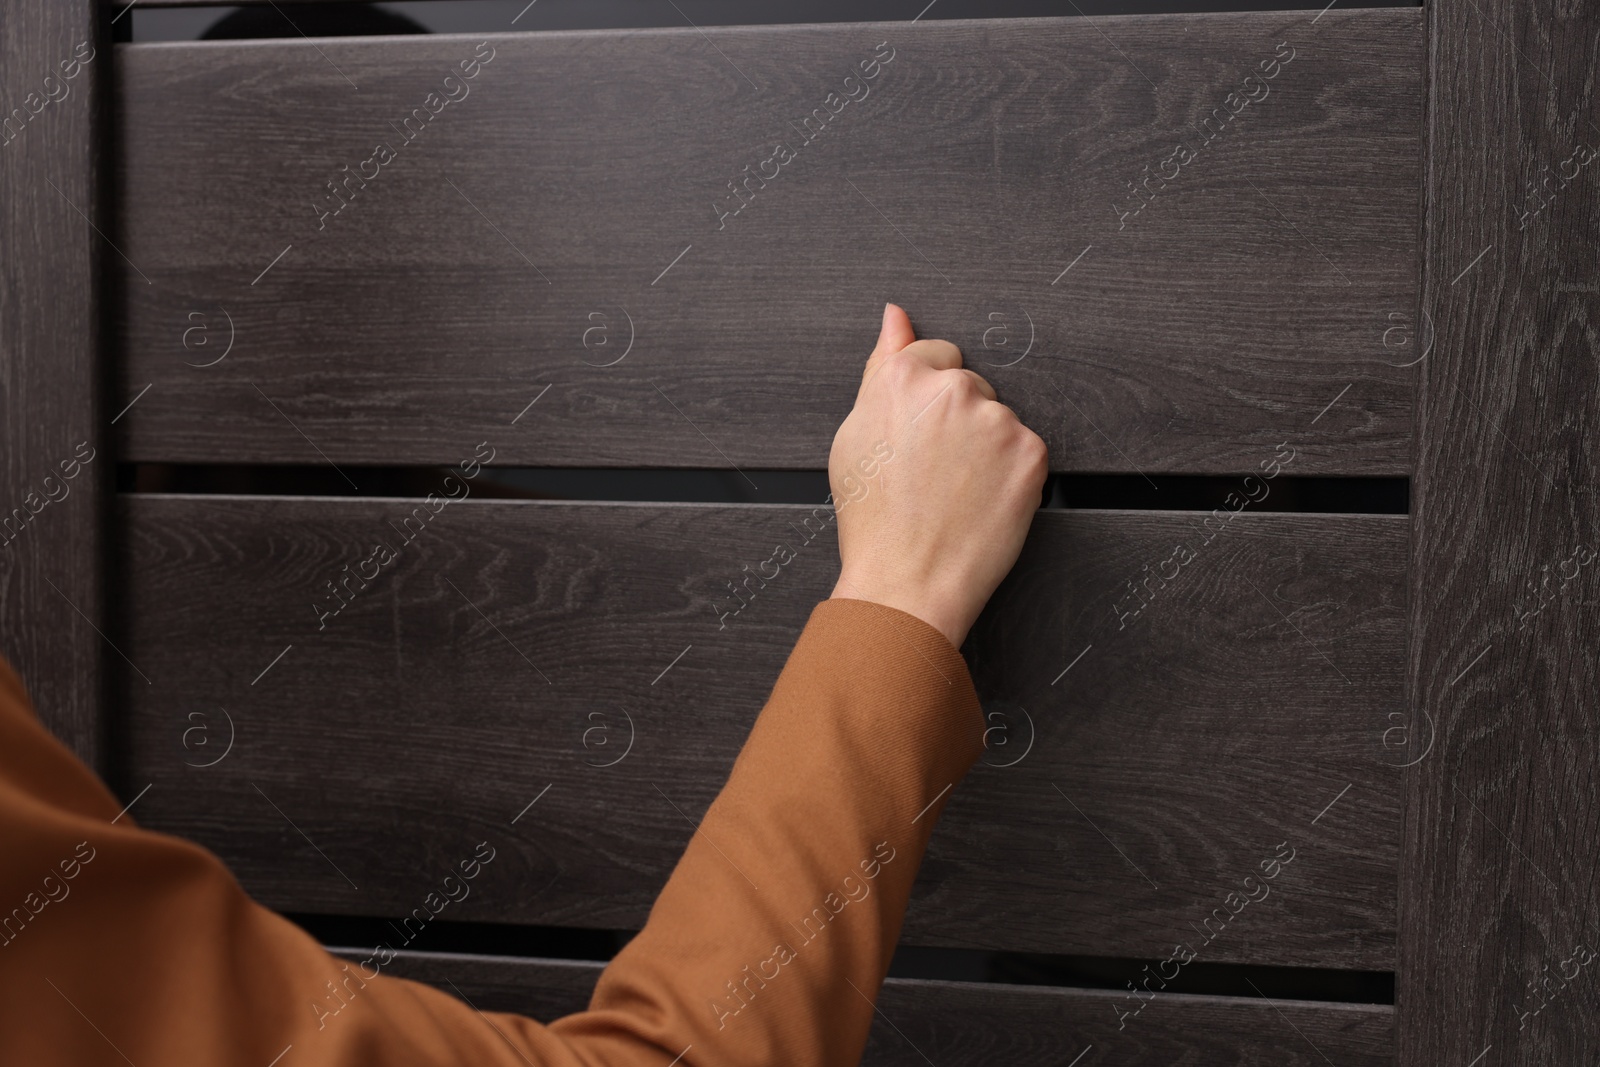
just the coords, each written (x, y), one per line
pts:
(922, 600)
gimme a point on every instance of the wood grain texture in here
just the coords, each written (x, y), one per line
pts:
(956, 1023)
(1503, 809)
(568, 198)
(515, 648)
(51, 585)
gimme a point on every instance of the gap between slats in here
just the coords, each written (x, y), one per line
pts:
(1314, 495)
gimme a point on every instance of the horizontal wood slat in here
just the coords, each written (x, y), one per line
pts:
(957, 1023)
(565, 199)
(1139, 768)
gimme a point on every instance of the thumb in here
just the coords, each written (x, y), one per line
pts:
(893, 335)
(896, 331)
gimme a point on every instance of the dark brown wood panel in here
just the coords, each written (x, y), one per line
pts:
(956, 1023)
(559, 215)
(572, 657)
(1503, 806)
(53, 454)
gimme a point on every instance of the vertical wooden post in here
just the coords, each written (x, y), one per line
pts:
(52, 499)
(1498, 905)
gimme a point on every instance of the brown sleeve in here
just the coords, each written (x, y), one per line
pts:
(767, 945)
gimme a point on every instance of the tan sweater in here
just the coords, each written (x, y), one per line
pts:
(766, 946)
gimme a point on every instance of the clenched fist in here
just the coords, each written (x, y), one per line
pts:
(934, 481)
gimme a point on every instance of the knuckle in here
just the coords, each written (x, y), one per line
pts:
(1002, 419)
(963, 382)
(1028, 447)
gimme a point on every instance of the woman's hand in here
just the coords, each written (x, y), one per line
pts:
(935, 483)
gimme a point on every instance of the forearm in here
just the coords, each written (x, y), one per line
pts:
(779, 922)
